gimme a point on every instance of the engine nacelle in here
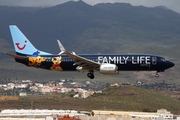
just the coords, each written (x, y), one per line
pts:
(109, 69)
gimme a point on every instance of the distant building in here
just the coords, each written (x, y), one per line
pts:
(29, 113)
(165, 114)
(23, 94)
(45, 89)
(26, 81)
(162, 113)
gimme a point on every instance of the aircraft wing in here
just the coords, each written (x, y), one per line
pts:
(80, 61)
(83, 62)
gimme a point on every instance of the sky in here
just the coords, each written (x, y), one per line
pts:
(171, 4)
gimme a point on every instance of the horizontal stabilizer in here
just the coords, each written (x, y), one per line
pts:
(16, 56)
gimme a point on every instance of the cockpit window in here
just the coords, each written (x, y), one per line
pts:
(163, 59)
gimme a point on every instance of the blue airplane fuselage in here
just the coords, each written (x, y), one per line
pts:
(124, 62)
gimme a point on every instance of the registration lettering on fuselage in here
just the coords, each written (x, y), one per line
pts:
(125, 59)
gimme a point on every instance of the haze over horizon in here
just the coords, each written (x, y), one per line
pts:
(171, 4)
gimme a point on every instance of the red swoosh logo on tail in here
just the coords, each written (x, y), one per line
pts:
(21, 48)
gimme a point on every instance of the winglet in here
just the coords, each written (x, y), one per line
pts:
(62, 49)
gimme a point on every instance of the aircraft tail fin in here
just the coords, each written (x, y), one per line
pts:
(22, 45)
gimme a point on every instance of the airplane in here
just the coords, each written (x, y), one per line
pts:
(106, 64)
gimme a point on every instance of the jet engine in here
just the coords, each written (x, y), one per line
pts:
(109, 69)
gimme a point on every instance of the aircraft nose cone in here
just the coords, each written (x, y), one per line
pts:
(170, 64)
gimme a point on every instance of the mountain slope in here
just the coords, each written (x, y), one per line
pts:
(72, 21)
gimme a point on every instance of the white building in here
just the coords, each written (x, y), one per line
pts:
(165, 114)
(29, 113)
(162, 113)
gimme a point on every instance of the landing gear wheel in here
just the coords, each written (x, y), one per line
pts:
(157, 75)
(91, 74)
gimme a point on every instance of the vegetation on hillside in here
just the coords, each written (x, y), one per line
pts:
(113, 98)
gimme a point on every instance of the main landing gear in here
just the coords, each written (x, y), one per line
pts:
(91, 74)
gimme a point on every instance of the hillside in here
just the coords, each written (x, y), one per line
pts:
(104, 28)
(113, 98)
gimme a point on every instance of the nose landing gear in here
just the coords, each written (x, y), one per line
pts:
(156, 75)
